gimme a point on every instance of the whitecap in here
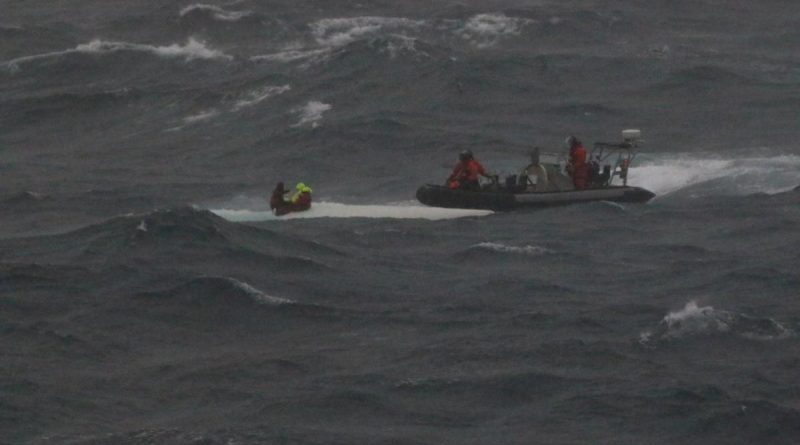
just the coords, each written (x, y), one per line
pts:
(400, 44)
(257, 295)
(693, 320)
(311, 113)
(665, 174)
(191, 50)
(524, 250)
(341, 31)
(201, 116)
(485, 30)
(216, 12)
(291, 55)
(258, 95)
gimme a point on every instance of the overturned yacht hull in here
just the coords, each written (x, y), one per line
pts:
(441, 196)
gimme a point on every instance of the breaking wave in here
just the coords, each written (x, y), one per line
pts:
(520, 250)
(191, 50)
(201, 116)
(292, 54)
(214, 12)
(341, 31)
(257, 95)
(694, 320)
(484, 30)
(311, 113)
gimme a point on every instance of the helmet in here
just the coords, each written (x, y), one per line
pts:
(465, 155)
(572, 141)
(300, 186)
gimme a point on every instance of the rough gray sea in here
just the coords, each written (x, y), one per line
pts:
(147, 295)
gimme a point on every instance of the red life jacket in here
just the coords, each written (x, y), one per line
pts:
(467, 171)
(577, 155)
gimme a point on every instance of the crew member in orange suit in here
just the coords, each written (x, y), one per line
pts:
(577, 168)
(466, 172)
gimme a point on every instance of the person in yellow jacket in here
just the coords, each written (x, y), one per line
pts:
(301, 200)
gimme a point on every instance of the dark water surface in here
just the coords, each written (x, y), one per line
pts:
(147, 297)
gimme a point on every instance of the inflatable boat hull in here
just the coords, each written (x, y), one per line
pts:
(441, 196)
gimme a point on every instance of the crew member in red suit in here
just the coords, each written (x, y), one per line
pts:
(466, 172)
(577, 167)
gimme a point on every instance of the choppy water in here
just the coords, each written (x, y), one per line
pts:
(148, 296)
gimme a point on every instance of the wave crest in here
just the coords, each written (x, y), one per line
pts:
(520, 250)
(214, 12)
(341, 31)
(484, 30)
(191, 50)
(695, 320)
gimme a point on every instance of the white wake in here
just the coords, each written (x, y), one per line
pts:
(339, 210)
(714, 174)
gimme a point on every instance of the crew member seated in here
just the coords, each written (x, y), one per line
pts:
(300, 201)
(465, 173)
(278, 198)
(535, 173)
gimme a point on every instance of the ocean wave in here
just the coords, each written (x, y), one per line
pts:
(523, 250)
(291, 55)
(247, 99)
(695, 320)
(214, 12)
(191, 50)
(744, 175)
(201, 116)
(341, 31)
(19, 275)
(25, 197)
(710, 76)
(224, 290)
(258, 95)
(485, 30)
(311, 113)
(499, 388)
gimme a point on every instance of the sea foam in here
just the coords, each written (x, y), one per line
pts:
(191, 50)
(523, 250)
(257, 295)
(341, 31)
(694, 320)
(257, 95)
(747, 174)
(216, 12)
(311, 113)
(485, 30)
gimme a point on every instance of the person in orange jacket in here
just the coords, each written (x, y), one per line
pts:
(577, 167)
(465, 173)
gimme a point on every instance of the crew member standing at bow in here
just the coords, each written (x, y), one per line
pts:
(577, 168)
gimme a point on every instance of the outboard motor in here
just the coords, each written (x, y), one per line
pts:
(606, 175)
